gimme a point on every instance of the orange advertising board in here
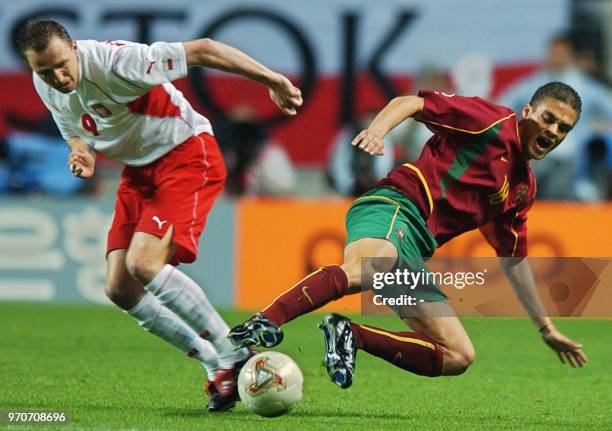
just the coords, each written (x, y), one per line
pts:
(281, 241)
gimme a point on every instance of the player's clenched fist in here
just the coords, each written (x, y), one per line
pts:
(369, 142)
(286, 96)
(81, 163)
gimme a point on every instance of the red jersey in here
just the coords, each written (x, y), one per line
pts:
(471, 173)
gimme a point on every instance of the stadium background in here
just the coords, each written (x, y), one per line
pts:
(63, 347)
(349, 57)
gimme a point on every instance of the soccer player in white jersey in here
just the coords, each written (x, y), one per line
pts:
(116, 98)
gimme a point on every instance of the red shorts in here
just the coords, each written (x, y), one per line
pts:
(178, 189)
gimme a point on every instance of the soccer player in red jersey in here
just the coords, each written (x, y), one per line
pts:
(117, 98)
(473, 173)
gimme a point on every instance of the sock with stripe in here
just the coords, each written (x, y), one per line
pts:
(312, 292)
(186, 298)
(410, 351)
(153, 317)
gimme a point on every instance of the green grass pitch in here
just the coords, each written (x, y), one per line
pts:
(95, 363)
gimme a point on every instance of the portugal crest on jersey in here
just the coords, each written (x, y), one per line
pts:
(521, 193)
(101, 110)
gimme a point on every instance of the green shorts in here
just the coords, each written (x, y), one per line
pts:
(389, 214)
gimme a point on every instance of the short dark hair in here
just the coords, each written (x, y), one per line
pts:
(35, 35)
(565, 38)
(559, 91)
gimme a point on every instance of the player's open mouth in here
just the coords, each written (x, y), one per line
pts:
(543, 144)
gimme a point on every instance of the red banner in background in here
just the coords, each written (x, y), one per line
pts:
(307, 138)
(347, 57)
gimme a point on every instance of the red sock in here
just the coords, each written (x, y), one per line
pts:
(314, 291)
(411, 351)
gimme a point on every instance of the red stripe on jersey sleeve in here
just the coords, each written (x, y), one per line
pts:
(156, 103)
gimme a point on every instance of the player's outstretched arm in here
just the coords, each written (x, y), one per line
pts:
(396, 111)
(82, 158)
(210, 53)
(518, 271)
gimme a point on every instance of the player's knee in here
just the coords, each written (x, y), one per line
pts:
(140, 266)
(118, 294)
(465, 360)
(112, 291)
(458, 360)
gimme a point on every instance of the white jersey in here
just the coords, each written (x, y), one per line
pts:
(124, 105)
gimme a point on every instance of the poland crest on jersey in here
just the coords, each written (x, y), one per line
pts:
(101, 110)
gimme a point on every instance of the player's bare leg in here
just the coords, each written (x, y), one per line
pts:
(121, 288)
(148, 254)
(147, 261)
(364, 248)
(424, 351)
(312, 292)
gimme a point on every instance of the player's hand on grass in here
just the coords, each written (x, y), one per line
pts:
(81, 163)
(369, 142)
(568, 350)
(285, 95)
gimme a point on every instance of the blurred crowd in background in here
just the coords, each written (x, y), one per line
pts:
(33, 155)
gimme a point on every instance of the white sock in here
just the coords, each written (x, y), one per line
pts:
(182, 295)
(153, 317)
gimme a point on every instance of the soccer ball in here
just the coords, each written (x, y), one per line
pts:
(270, 384)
